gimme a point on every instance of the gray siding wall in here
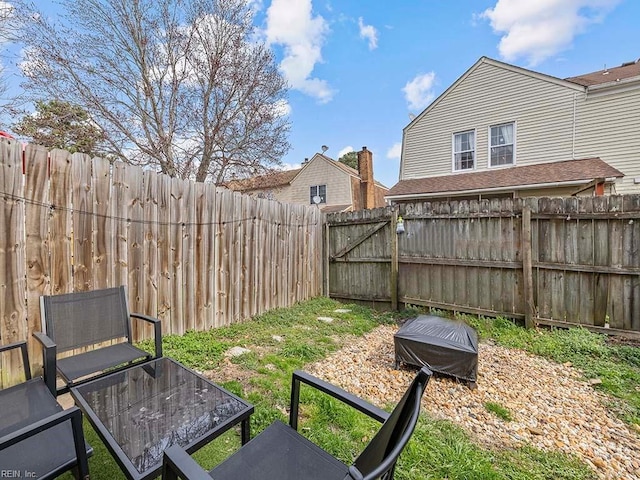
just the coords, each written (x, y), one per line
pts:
(543, 112)
(553, 123)
(608, 127)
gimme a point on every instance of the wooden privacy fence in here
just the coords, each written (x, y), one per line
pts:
(193, 255)
(555, 261)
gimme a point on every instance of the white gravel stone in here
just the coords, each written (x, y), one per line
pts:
(236, 351)
(551, 404)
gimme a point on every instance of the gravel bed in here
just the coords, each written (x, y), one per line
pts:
(551, 406)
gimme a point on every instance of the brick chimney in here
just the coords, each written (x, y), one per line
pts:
(367, 187)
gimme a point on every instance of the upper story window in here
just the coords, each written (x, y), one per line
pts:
(464, 150)
(319, 191)
(502, 144)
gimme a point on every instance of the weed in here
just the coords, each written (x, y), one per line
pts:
(438, 449)
(498, 410)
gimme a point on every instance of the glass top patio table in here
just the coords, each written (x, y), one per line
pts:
(141, 411)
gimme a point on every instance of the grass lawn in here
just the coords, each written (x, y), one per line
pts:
(287, 339)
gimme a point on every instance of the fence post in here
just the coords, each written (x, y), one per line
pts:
(527, 273)
(325, 260)
(393, 284)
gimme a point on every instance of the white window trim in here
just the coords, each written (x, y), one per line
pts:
(515, 136)
(453, 150)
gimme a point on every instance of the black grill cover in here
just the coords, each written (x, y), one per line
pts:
(445, 346)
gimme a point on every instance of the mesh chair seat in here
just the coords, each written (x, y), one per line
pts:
(93, 318)
(280, 452)
(52, 450)
(25, 403)
(37, 437)
(83, 364)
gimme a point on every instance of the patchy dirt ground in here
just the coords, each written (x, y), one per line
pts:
(552, 407)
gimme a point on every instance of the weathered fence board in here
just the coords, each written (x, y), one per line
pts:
(82, 200)
(103, 230)
(13, 325)
(60, 223)
(36, 216)
(583, 259)
(193, 255)
(135, 241)
(176, 245)
(164, 253)
(188, 255)
(150, 274)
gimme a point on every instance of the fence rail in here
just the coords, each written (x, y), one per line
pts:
(556, 261)
(194, 255)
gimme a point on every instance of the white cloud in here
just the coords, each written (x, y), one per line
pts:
(291, 23)
(345, 150)
(368, 32)
(395, 151)
(291, 166)
(537, 30)
(419, 91)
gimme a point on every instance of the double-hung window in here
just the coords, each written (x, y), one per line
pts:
(464, 150)
(319, 191)
(502, 144)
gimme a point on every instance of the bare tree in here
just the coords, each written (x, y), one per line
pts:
(9, 25)
(181, 84)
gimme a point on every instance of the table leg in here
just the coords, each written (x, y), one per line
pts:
(246, 431)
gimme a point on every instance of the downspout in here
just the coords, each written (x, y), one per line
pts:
(573, 134)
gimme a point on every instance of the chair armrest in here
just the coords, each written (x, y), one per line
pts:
(330, 389)
(157, 330)
(49, 351)
(176, 463)
(22, 345)
(72, 414)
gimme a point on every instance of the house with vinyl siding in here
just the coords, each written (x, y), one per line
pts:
(506, 131)
(321, 181)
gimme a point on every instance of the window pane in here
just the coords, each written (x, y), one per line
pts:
(464, 150)
(464, 161)
(501, 144)
(502, 135)
(502, 155)
(320, 191)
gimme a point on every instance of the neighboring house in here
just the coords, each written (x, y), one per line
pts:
(502, 130)
(333, 186)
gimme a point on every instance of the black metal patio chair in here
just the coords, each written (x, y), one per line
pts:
(39, 439)
(98, 318)
(280, 452)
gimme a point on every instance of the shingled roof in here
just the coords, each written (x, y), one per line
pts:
(568, 171)
(270, 180)
(624, 71)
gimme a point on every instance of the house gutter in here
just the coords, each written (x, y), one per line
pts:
(567, 183)
(573, 133)
(616, 86)
(614, 83)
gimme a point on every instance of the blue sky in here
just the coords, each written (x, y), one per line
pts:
(358, 68)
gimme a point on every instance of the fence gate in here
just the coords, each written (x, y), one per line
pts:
(362, 256)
